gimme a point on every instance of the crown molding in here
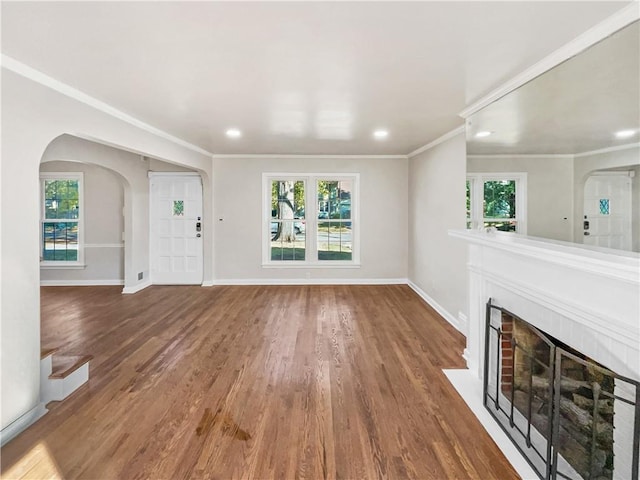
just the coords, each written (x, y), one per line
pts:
(615, 22)
(437, 141)
(304, 157)
(522, 155)
(618, 148)
(43, 79)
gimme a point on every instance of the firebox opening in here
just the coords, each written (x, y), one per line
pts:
(558, 405)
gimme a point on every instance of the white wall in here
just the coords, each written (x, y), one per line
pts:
(635, 210)
(584, 165)
(383, 217)
(32, 116)
(437, 263)
(549, 190)
(103, 227)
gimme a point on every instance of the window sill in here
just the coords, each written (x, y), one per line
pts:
(62, 266)
(310, 265)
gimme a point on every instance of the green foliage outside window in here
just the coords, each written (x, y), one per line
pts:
(61, 199)
(61, 211)
(499, 199)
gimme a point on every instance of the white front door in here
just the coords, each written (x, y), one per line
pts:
(607, 211)
(176, 229)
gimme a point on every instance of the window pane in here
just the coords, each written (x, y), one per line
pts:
(60, 241)
(502, 225)
(298, 199)
(50, 189)
(334, 199)
(334, 241)
(61, 200)
(287, 199)
(287, 240)
(500, 199)
(178, 208)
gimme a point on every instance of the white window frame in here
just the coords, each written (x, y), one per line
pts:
(62, 264)
(476, 186)
(311, 220)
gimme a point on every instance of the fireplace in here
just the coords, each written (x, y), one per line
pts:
(568, 415)
(573, 295)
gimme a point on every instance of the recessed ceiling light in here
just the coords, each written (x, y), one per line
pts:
(625, 133)
(381, 134)
(483, 133)
(233, 133)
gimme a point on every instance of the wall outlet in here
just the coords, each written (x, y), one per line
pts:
(140, 275)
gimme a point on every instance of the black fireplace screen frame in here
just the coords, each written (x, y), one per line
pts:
(544, 463)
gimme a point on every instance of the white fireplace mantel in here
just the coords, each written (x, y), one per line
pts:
(588, 298)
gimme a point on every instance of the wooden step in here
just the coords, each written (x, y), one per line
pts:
(46, 351)
(65, 365)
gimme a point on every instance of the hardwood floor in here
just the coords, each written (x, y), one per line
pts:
(255, 382)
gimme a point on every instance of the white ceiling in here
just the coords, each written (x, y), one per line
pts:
(296, 78)
(574, 108)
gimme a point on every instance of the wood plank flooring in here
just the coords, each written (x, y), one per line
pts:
(259, 382)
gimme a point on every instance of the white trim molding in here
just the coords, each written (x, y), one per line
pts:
(604, 262)
(311, 281)
(267, 156)
(80, 283)
(152, 174)
(456, 131)
(37, 76)
(617, 148)
(65, 266)
(22, 423)
(136, 288)
(436, 306)
(324, 264)
(523, 155)
(617, 21)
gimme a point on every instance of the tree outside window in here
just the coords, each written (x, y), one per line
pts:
(496, 200)
(310, 220)
(61, 217)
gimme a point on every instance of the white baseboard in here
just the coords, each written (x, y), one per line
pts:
(16, 427)
(79, 283)
(312, 281)
(251, 281)
(436, 306)
(136, 288)
(466, 355)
